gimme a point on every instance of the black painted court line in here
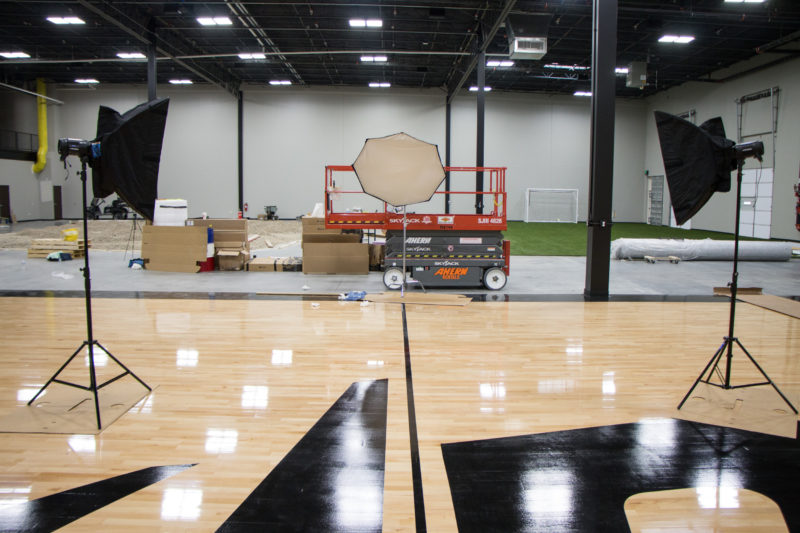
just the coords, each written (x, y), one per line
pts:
(333, 478)
(416, 471)
(57, 510)
(578, 480)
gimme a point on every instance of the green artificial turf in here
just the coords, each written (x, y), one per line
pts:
(532, 238)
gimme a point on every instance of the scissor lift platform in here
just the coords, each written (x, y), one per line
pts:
(442, 249)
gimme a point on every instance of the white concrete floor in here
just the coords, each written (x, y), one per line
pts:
(529, 276)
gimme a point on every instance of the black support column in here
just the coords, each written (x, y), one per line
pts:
(240, 150)
(481, 71)
(598, 245)
(151, 72)
(447, 155)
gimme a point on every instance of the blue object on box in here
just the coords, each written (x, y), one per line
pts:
(59, 256)
(354, 296)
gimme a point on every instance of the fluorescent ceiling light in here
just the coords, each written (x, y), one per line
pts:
(498, 63)
(130, 55)
(255, 55)
(180, 82)
(582, 93)
(65, 20)
(86, 80)
(382, 84)
(621, 70)
(486, 89)
(565, 67)
(214, 21)
(280, 82)
(374, 59)
(680, 39)
(14, 55)
(744, 1)
(366, 23)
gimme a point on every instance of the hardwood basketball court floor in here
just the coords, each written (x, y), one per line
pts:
(302, 414)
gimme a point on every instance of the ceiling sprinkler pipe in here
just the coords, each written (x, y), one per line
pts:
(41, 104)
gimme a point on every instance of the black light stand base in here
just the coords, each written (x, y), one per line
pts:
(713, 368)
(93, 386)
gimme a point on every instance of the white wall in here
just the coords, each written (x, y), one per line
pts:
(291, 133)
(545, 142)
(711, 100)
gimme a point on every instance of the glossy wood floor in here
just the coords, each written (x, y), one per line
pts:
(240, 382)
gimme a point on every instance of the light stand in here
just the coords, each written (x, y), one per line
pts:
(742, 152)
(131, 239)
(90, 341)
(405, 281)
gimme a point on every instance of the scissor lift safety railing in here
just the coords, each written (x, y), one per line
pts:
(494, 197)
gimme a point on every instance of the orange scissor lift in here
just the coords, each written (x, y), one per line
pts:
(441, 249)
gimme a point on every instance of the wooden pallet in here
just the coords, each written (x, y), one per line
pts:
(41, 248)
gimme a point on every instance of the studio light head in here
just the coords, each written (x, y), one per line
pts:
(77, 147)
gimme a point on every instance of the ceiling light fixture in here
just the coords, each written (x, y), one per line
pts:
(86, 80)
(744, 1)
(474, 88)
(181, 82)
(498, 63)
(366, 23)
(14, 55)
(131, 55)
(214, 21)
(66, 20)
(280, 82)
(558, 66)
(679, 39)
(374, 59)
(254, 55)
(381, 85)
(582, 93)
(621, 70)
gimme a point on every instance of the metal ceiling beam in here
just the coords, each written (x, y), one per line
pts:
(487, 40)
(232, 86)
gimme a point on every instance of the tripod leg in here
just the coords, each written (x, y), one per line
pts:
(752, 360)
(128, 370)
(715, 361)
(54, 376)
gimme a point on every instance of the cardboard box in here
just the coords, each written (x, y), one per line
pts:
(335, 258)
(170, 212)
(173, 249)
(232, 259)
(376, 254)
(229, 233)
(317, 225)
(261, 264)
(330, 237)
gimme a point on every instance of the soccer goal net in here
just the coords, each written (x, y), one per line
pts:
(551, 205)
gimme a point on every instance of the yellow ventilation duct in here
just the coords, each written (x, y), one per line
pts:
(41, 103)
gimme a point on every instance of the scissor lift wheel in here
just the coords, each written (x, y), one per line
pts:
(494, 279)
(393, 278)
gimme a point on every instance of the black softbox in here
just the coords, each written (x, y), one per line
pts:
(698, 161)
(130, 152)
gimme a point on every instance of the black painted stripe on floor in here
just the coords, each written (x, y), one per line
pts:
(57, 510)
(416, 471)
(332, 480)
(578, 480)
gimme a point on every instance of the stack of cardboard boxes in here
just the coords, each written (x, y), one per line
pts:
(184, 248)
(331, 251)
